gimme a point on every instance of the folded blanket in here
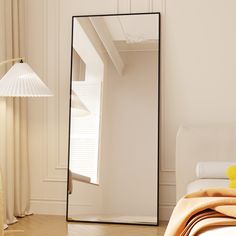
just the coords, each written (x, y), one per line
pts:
(202, 210)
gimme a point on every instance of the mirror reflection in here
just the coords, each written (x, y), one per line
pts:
(113, 141)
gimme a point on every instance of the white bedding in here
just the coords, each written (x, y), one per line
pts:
(206, 183)
(220, 231)
(203, 144)
(213, 169)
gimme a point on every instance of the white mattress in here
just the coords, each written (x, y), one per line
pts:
(206, 183)
(220, 231)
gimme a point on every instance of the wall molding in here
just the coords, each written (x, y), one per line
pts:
(48, 199)
(163, 165)
(167, 184)
(57, 179)
(167, 169)
(57, 80)
(55, 168)
(127, 6)
(58, 167)
(167, 205)
(151, 5)
(60, 164)
(45, 76)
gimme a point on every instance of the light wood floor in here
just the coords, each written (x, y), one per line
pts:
(42, 225)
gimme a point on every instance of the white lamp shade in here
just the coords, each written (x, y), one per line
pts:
(78, 108)
(22, 81)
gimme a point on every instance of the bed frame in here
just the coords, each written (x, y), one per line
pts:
(201, 143)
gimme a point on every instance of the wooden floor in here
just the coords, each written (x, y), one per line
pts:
(42, 225)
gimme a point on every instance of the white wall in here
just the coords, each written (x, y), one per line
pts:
(199, 71)
(198, 81)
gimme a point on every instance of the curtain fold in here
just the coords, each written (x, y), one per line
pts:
(13, 118)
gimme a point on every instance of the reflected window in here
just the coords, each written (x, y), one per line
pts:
(85, 120)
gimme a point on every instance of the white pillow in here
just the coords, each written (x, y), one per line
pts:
(213, 169)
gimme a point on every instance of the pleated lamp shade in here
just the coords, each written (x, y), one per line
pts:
(78, 108)
(22, 81)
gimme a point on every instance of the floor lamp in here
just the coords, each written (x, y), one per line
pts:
(19, 81)
(22, 81)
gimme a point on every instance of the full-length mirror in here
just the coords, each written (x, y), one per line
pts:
(114, 110)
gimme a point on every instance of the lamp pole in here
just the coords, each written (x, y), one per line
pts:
(11, 60)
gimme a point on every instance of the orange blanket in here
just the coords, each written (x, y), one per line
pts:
(202, 210)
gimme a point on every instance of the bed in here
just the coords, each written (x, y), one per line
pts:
(203, 143)
(199, 184)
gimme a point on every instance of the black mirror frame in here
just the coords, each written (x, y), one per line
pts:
(158, 125)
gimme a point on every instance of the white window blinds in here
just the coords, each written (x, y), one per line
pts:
(84, 147)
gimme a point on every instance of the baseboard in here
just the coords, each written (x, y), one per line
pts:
(48, 207)
(58, 207)
(165, 212)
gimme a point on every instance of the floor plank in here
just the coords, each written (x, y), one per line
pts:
(45, 225)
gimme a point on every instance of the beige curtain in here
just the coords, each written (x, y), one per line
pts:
(13, 118)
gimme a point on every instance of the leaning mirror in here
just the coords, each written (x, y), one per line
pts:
(114, 125)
